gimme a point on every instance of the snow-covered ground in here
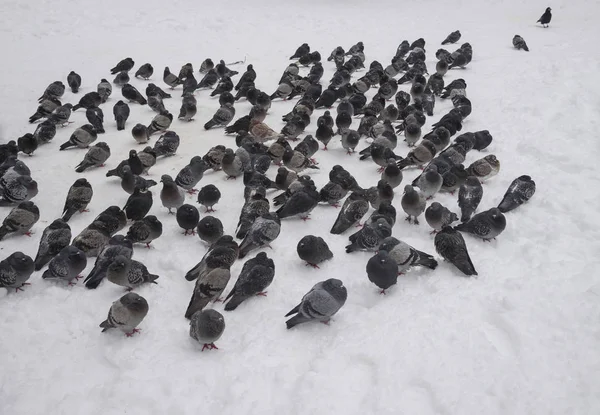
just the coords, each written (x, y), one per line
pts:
(522, 338)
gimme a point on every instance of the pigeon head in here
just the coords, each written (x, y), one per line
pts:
(20, 261)
(491, 159)
(165, 178)
(153, 220)
(119, 263)
(134, 302)
(30, 207)
(472, 181)
(59, 224)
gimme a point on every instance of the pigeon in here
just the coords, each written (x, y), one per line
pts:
(190, 175)
(89, 100)
(145, 230)
(155, 102)
(256, 275)
(413, 203)
(55, 90)
(546, 17)
(385, 211)
(129, 273)
(161, 122)
(454, 178)
(452, 38)
(187, 218)
(209, 80)
(186, 71)
(167, 144)
(114, 218)
(296, 161)
(46, 107)
(209, 196)
(152, 89)
(323, 300)
(54, 238)
(350, 139)
(284, 178)
(140, 133)
(256, 204)
(224, 85)
(148, 158)
(74, 81)
(117, 245)
(209, 229)
(450, 244)
(232, 164)
(264, 230)
(469, 197)
(79, 196)
(171, 195)
(261, 131)
(121, 79)
(81, 137)
(333, 192)
(190, 84)
(353, 209)
(302, 50)
(208, 288)
(369, 236)
(170, 78)
(45, 132)
(61, 115)
(124, 65)
(17, 189)
(222, 70)
(138, 204)
(412, 134)
(520, 191)
(66, 265)
(438, 216)
(206, 327)
(145, 71)
(430, 182)
(300, 203)
(313, 250)
(15, 270)
(519, 43)
(482, 140)
(382, 270)
(188, 111)
(484, 168)
(405, 256)
(222, 117)
(486, 225)
(95, 116)
(93, 238)
(20, 219)
(248, 76)
(121, 113)
(126, 314)
(419, 156)
(133, 95)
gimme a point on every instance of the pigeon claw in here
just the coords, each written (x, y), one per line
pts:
(133, 332)
(308, 264)
(231, 178)
(209, 209)
(382, 292)
(192, 191)
(304, 218)
(262, 293)
(380, 170)
(209, 346)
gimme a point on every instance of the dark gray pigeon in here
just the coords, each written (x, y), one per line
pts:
(123, 65)
(145, 231)
(302, 50)
(187, 217)
(209, 80)
(255, 205)
(61, 115)
(126, 314)
(171, 195)
(300, 203)
(27, 144)
(256, 275)
(520, 191)
(140, 133)
(104, 89)
(190, 175)
(313, 250)
(264, 230)
(486, 225)
(450, 244)
(167, 144)
(438, 216)
(353, 210)
(55, 90)
(89, 100)
(45, 132)
(222, 254)
(95, 116)
(67, 265)
(129, 273)
(469, 197)
(170, 78)
(161, 122)
(206, 327)
(79, 196)
(121, 112)
(382, 270)
(94, 237)
(413, 203)
(20, 220)
(369, 236)
(16, 189)
(156, 103)
(546, 17)
(208, 288)
(145, 71)
(209, 196)
(405, 256)
(452, 38)
(117, 245)
(121, 79)
(81, 137)
(15, 270)
(130, 181)
(209, 229)
(54, 238)
(320, 304)
(222, 117)
(138, 204)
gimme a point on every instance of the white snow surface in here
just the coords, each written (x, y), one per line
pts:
(522, 338)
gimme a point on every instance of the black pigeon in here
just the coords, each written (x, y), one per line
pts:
(519, 43)
(27, 144)
(132, 94)
(89, 100)
(138, 204)
(125, 65)
(314, 250)
(79, 196)
(546, 17)
(209, 229)
(452, 38)
(145, 71)
(46, 107)
(302, 50)
(382, 271)
(256, 275)
(74, 81)
(450, 244)
(209, 196)
(95, 116)
(520, 191)
(121, 112)
(187, 218)
(54, 238)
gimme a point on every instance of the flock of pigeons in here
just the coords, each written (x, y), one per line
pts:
(440, 153)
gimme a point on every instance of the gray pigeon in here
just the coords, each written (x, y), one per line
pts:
(484, 168)
(129, 273)
(130, 181)
(67, 265)
(95, 157)
(188, 111)
(170, 78)
(370, 236)
(79, 196)
(486, 225)
(392, 174)
(20, 220)
(209, 229)
(350, 139)
(155, 102)
(54, 238)
(16, 189)
(519, 43)
(450, 244)
(469, 197)
(320, 303)
(256, 275)
(145, 71)
(117, 245)
(382, 270)
(256, 205)
(81, 137)
(222, 254)
(114, 218)
(124, 65)
(413, 203)
(405, 255)
(296, 161)
(95, 116)
(148, 159)
(190, 175)
(55, 90)
(452, 38)
(208, 288)
(126, 314)
(301, 203)
(138, 204)
(140, 133)
(313, 250)
(45, 132)
(264, 230)
(171, 195)
(353, 210)
(206, 327)
(438, 216)
(145, 231)
(121, 112)
(93, 238)
(520, 191)
(222, 117)
(161, 122)
(232, 164)
(430, 182)
(385, 211)
(104, 89)
(167, 144)
(15, 270)
(419, 156)
(61, 115)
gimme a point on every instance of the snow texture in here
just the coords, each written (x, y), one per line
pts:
(522, 338)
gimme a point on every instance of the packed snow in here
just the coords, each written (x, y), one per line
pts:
(521, 338)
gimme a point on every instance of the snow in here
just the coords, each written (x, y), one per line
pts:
(522, 338)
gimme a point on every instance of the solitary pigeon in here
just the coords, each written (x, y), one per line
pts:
(126, 314)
